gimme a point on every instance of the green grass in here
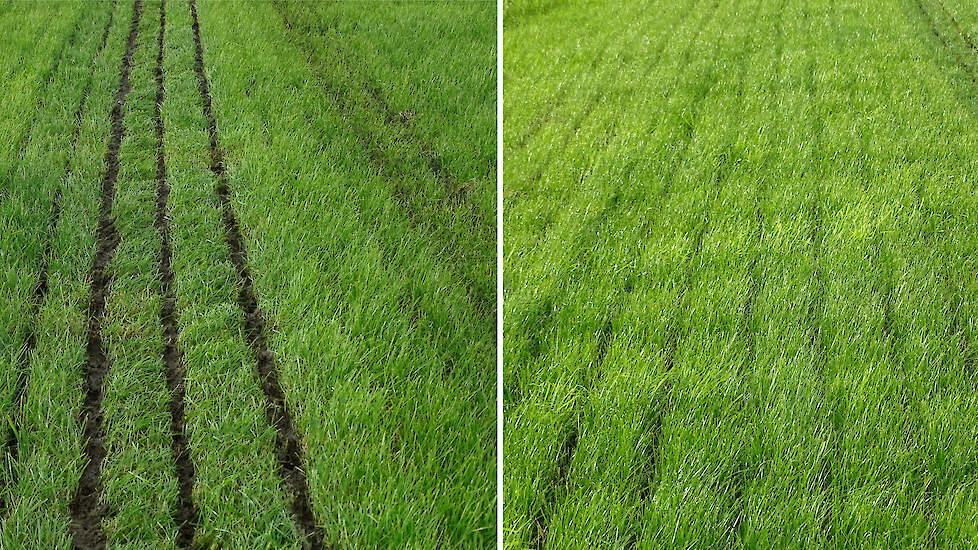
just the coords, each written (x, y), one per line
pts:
(369, 241)
(50, 439)
(367, 297)
(30, 109)
(739, 267)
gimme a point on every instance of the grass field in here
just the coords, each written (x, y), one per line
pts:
(740, 274)
(246, 261)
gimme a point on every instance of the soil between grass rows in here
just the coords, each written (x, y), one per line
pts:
(185, 514)
(288, 450)
(86, 509)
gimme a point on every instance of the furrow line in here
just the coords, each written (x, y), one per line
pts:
(594, 100)
(651, 452)
(26, 354)
(969, 70)
(591, 225)
(543, 514)
(564, 458)
(970, 358)
(87, 510)
(482, 302)
(433, 161)
(957, 26)
(185, 514)
(816, 313)
(46, 78)
(287, 442)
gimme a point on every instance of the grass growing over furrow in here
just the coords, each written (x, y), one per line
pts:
(781, 249)
(442, 97)
(27, 193)
(392, 386)
(34, 50)
(430, 136)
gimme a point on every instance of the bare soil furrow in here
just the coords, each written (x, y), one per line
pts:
(287, 441)
(185, 514)
(87, 510)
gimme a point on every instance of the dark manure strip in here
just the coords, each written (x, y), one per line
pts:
(288, 449)
(86, 509)
(185, 514)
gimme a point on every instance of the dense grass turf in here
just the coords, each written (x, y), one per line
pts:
(405, 353)
(369, 239)
(739, 276)
(32, 107)
(49, 445)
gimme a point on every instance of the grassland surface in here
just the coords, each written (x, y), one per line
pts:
(740, 274)
(246, 265)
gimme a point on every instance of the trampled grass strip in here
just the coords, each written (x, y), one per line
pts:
(289, 452)
(185, 514)
(86, 509)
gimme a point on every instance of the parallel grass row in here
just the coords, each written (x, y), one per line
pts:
(375, 287)
(424, 121)
(392, 386)
(49, 441)
(32, 106)
(760, 335)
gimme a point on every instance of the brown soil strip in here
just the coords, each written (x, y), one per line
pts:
(185, 515)
(287, 442)
(12, 444)
(86, 507)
